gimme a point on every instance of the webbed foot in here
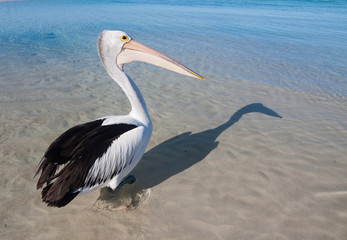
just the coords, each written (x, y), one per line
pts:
(130, 179)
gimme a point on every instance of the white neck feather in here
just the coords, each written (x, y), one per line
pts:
(138, 106)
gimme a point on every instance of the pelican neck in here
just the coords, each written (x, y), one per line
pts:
(138, 106)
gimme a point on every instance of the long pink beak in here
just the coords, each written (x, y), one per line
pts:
(134, 51)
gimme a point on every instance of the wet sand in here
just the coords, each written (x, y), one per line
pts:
(245, 160)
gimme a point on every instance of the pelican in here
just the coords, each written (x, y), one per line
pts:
(103, 152)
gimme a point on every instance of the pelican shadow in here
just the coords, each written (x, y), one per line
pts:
(181, 152)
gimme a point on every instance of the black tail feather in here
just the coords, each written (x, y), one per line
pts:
(47, 198)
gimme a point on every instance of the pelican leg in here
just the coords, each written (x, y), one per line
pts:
(130, 179)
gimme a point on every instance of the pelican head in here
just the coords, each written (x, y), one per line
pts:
(117, 47)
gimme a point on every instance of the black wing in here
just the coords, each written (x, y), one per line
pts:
(77, 149)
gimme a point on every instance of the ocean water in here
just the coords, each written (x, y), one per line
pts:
(257, 151)
(301, 45)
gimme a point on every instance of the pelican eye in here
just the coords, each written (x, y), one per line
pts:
(124, 38)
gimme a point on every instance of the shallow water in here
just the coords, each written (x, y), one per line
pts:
(300, 45)
(255, 151)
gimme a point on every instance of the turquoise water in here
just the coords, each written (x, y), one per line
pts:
(301, 45)
(219, 162)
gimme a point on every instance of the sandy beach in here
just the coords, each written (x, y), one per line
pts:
(260, 162)
(229, 158)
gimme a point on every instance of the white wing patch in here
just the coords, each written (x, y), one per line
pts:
(116, 158)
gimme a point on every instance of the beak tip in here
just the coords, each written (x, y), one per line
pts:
(199, 76)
